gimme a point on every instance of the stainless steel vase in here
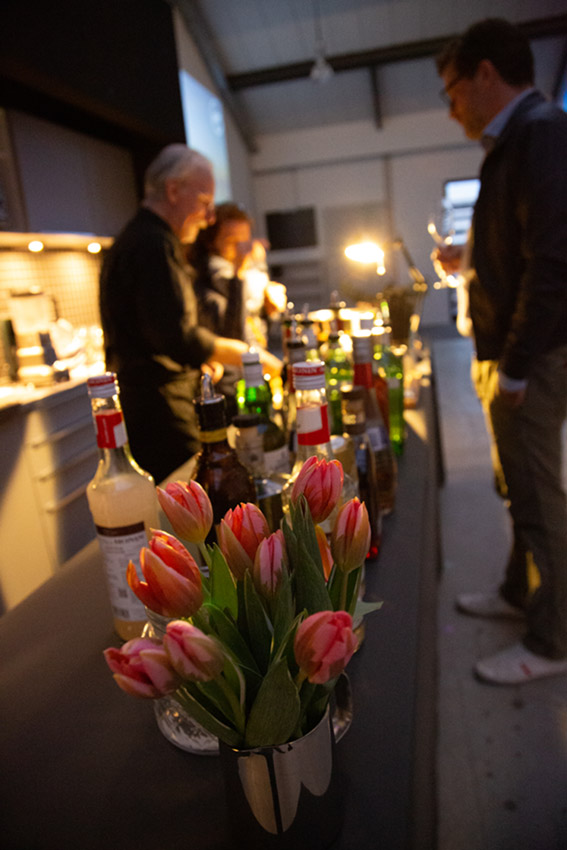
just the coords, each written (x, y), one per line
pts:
(288, 796)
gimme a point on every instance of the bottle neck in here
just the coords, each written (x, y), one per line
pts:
(214, 440)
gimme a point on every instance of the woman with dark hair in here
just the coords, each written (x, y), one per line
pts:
(223, 258)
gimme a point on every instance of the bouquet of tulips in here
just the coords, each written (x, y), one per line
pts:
(253, 650)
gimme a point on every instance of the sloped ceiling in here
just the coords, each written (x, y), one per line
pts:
(261, 54)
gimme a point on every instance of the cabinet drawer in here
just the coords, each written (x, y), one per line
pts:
(61, 447)
(56, 485)
(57, 412)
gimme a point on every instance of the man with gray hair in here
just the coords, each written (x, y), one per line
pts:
(149, 312)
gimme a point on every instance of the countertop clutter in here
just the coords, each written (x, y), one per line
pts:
(95, 764)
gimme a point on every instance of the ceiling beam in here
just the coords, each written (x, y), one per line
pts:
(540, 28)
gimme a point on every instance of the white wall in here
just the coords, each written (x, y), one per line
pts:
(189, 59)
(401, 168)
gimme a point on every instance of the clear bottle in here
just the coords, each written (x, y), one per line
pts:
(258, 400)
(123, 503)
(218, 470)
(338, 372)
(313, 433)
(375, 426)
(354, 418)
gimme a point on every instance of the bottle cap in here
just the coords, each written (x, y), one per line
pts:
(253, 372)
(102, 386)
(210, 407)
(246, 420)
(309, 375)
(250, 357)
(362, 347)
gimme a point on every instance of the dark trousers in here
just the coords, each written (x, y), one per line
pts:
(527, 459)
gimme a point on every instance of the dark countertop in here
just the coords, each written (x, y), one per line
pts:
(84, 765)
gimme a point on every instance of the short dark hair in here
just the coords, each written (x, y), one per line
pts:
(504, 44)
(199, 252)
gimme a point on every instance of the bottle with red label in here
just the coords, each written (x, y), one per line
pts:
(313, 431)
(123, 503)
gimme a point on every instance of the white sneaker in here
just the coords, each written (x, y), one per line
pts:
(488, 604)
(517, 665)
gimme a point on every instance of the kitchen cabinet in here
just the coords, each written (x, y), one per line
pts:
(49, 455)
(70, 182)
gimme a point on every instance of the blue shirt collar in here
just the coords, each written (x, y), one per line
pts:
(494, 128)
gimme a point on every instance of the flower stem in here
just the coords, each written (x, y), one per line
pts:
(238, 714)
(205, 553)
(344, 585)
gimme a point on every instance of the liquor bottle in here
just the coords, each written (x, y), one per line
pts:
(218, 470)
(123, 503)
(250, 451)
(375, 426)
(313, 433)
(258, 400)
(338, 372)
(354, 418)
(295, 354)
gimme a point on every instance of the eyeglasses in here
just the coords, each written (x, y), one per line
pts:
(444, 93)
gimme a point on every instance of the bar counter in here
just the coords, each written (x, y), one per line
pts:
(85, 766)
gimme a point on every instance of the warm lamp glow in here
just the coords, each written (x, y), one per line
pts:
(94, 247)
(367, 252)
(35, 246)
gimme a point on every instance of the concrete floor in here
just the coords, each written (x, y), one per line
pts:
(502, 751)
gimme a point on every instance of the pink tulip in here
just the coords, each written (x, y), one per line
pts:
(321, 483)
(240, 533)
(142, 668)
(324, 551)
(350, 537)
(173, 580)
(269, 561)
(324, 644)
(193, 654)
(188, 508)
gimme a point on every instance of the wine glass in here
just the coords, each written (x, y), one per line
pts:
(441, 228)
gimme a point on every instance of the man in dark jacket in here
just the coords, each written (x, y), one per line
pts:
(517, 286)
(149, 315)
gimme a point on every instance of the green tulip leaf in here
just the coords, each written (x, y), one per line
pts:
(259, 632)
(227, 632)
(363, 608)
(283, 609)
(212, 724)
(310, 587)
(285, 648)
(275, 712)
(223, 588)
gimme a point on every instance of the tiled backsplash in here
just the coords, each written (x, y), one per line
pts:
(71, 277)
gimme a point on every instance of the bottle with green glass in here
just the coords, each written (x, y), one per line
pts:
(338, 373)
(391, 367)
(258, 400)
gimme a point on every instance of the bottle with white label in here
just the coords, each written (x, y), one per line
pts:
(313, 432)
(123, 503)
